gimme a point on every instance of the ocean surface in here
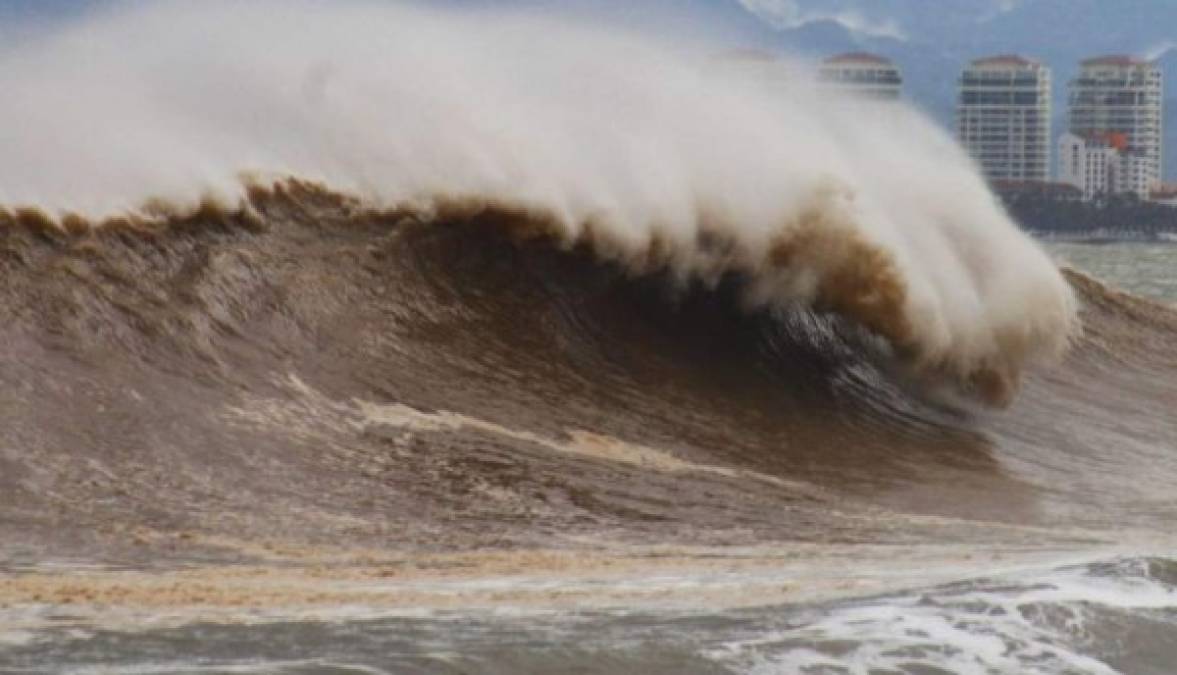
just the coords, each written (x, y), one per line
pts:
(687, 532)
(1142, 268)
(361, 337)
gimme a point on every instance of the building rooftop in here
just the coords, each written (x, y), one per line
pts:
(857, 58)
(1112, 139)
(1164, 191)
(1006, 60)
(1115, 60)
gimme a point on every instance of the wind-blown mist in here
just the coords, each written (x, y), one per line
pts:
(625, 143)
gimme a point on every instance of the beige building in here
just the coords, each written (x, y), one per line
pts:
(862, 74)
(1003, 117)
(1122, 95)
(1090, 163)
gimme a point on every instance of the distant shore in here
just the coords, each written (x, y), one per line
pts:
(1058, 216)
(1107, 236)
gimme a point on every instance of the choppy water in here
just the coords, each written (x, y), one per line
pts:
(1116, 616)
(1147, 269)
(847, 597)
(360, 337)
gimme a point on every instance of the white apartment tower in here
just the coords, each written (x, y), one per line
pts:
(1122, 95)
(862, 74)
(1091, 163)
(1003, 117)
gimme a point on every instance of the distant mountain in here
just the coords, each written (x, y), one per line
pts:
(11, 10)
(930, 39)
(822, 37)
(936, 40)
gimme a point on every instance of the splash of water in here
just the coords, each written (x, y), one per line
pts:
(630, 143)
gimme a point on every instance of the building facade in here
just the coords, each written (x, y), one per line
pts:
(1003, 117)
(1122, 95)
(862, 74)
(1090, 163)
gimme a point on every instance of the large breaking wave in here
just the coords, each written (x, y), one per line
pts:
(409, 309)
(648, 153)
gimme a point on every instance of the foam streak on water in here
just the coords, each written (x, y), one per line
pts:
(1103, 618)
(1088, 619)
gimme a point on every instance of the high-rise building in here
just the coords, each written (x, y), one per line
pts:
(1122, 95)
(862, 74)
(1003, 117)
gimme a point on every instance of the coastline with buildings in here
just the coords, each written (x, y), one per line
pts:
(1107, 182)
(1099, 176)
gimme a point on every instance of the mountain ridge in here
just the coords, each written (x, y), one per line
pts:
(1059, 33)
(931, 47)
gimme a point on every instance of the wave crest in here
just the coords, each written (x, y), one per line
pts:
(818, 262)
(640, 149)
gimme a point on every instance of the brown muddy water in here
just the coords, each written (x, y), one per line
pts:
(319, 439)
